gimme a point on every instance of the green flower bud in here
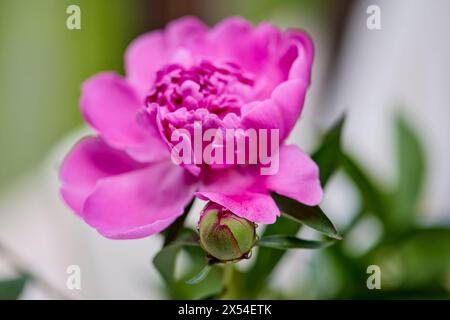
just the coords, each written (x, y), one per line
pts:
(225, 236)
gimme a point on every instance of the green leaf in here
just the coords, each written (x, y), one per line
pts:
(12, 288)
(209, 287)
(174, 229)
(328, 155)
(164, 261)
(200, 276)
(313, 217)
(283, 242)
(268, 258)
(411, 172)
(374, 199)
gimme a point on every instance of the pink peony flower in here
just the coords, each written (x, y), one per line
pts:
(123, 182)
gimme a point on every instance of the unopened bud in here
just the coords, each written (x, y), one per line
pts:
(224, 235)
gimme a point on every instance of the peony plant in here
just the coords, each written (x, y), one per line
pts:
(132, 179)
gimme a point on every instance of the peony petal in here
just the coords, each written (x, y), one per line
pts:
(289, 98)
(140, 232)
(254, 206)
(143, 58)
(233, 180)
(297, 178)
(301, 67)
(280, 112)
(270, 55)
(110, 106)
(250, 49)
(264, 115)
(90, 160)
(139, 203)
(241, 190)
(186, 37)
(282, 82)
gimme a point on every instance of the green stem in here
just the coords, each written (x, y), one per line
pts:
(228, 285)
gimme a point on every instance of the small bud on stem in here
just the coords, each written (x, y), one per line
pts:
(225, 236)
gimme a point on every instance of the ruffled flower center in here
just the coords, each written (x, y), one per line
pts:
(205, 95)
(217, 89)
